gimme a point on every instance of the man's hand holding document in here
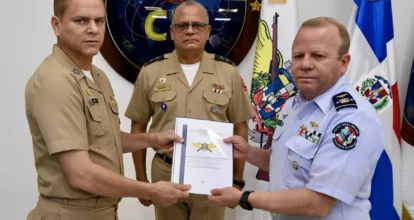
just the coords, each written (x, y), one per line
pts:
(203, 160)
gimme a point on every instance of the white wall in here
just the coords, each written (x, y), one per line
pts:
(26, 38)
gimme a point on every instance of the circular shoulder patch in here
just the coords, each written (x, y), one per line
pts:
(345, 135)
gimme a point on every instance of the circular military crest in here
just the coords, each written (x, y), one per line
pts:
(377, 90)
(345, 135)
(138, 31)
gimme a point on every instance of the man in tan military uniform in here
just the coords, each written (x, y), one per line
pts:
(74, 122)
(165, 90)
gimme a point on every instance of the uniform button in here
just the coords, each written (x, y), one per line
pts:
(189, 110)
(295, 165)
(99, 114)
(297, 147)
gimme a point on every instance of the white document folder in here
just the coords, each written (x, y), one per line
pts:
(204, 160)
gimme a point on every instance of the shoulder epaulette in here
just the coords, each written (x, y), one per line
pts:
(343, 100)
(156, 59)
(223, 59)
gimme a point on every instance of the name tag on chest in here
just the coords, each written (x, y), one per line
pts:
(162, 88)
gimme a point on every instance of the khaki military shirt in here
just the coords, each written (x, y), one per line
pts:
(162, 92)
(68, 111)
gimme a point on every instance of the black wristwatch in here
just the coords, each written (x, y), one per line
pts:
(239, 183)
(244, 200)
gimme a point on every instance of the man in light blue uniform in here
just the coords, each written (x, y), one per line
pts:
(323, 157)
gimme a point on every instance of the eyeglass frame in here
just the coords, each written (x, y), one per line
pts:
(187, 25)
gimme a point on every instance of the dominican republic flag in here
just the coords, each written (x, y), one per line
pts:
(372, 70)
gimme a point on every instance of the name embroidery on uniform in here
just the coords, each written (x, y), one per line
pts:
(343, 100)
(312, 136)
(162, 88)
(345, 135)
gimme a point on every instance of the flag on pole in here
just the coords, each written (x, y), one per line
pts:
(407, 135)
(372, 70)
(272, 83)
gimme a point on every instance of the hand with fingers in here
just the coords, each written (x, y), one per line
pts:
(165, 194)
(240, 147)
(228, 197)
(165, 140)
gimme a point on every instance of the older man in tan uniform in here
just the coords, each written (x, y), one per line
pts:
(187, 83)
(74, 122)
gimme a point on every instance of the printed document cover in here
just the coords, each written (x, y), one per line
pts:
(204, 160)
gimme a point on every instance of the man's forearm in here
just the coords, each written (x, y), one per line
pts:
(135, 142)
(259, 158)
(240, 130)
(140, 157)
(297, 202)
(140, 160)
(104, 182)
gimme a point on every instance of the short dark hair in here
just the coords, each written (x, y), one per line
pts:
(60, 6)
(343, 32)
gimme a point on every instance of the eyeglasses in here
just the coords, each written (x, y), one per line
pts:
(197, 27)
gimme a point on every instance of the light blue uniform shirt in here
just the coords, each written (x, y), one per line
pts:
(329, 148)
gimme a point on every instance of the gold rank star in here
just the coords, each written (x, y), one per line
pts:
(255, 6)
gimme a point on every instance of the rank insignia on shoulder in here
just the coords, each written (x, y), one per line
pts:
(343, 100)
(223, 59)
(345, 135)
(156, 59)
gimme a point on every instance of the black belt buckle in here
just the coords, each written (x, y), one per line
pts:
(165, 158)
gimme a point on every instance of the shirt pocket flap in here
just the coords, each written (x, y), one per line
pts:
(216, 98)
(163, 96)
(96, 115)
(302, 147)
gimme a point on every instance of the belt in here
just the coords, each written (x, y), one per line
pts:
(165, 158)
(88, 202)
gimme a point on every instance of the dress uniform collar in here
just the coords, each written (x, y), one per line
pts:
(323, 101)
(66, 61)
(206, 64)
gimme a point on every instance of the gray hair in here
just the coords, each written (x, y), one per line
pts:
(190, 3)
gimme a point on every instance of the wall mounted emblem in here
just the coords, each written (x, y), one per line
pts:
(138, 30)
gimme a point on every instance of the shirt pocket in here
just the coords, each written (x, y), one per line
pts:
(99, 129)
(164, 104)
(299, 161)
(216, 105)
